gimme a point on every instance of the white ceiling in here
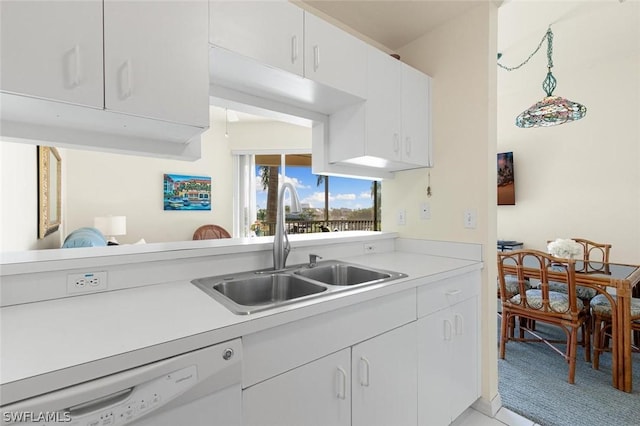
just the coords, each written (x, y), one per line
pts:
(392, 23)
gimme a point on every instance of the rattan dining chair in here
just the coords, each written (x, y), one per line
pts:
(210, 232)
(564, 310)
(595, 258)
(601, 310)
(592, 251)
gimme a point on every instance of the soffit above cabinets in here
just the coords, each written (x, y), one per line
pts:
(392, 23)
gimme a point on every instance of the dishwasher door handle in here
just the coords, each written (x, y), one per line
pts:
(99, 403)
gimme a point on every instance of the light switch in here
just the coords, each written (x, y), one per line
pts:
(402, 217)
(425, 211)
(470, 219)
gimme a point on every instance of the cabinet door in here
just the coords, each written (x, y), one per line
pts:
(416, 117)
(53, 50)
(156, 60)
(465, 370)
(333, 57)
(270, 32)
(385, 379)
(315, 394)
(435, 332)
(383, 106)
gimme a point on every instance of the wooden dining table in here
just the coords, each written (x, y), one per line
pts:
(623, 278)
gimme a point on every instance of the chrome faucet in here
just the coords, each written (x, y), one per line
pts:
(313, 260)
(281, 246)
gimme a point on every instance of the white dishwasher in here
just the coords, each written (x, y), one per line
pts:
(198, 388)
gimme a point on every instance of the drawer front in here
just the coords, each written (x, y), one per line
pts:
(448, 292)
(279, 349)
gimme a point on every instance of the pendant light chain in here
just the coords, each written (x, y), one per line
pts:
(547, 36)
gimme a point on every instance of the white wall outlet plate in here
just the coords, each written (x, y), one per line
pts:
(86, 282)
(370, 248)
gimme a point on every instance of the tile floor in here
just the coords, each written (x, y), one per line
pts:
(503, 417)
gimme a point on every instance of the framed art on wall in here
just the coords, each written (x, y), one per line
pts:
(182, 192)
(49, 190)
(506, 181)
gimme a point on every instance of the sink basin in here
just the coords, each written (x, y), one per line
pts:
(344, 274)
(248, 294)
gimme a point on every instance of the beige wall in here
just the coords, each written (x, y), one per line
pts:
(579, 179)
(460, 57)
(132, 186)
(101, 184)
(272, 135)
(19, 199)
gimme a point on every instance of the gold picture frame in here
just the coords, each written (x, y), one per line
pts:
(49, 190)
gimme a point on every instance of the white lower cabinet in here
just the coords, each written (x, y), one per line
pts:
(385, 384)
(371, 383)
(370, 364)
(448, 354)
(315, 394)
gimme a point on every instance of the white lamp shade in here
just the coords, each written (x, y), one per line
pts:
(111, 225)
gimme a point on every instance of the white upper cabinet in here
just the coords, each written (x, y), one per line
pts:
(156, 60)
(263, 48)
(391, 129)
(383, 107)
(52, 50)
(416, 117)
(119, 76)
(271, 32)
(333, 57)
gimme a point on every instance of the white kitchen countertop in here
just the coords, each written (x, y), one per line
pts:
(75, 339)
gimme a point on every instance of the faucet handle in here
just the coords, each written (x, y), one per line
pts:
(313, 260)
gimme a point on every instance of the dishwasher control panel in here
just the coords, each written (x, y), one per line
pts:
(142, 399)
(152, 394)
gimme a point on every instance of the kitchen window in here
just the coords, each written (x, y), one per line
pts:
(329, 203)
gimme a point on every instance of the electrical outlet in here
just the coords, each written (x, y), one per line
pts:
(86, 282)
(370, 248)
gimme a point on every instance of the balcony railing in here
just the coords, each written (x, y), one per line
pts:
(308, 226)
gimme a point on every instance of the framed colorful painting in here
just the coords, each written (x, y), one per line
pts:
(185, 192)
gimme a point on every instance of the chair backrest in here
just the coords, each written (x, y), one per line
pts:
(592, 251)
(210, 232)
(530, 266)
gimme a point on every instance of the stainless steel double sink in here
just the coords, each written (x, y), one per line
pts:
(249, 292)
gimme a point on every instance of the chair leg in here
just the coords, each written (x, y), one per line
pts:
(571, 352)
(504, 330)
(586, 336)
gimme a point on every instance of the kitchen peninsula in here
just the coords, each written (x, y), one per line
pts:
(152, 312)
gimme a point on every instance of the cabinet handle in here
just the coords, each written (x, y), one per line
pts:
(407, 146)
(364, 372)
(396, 143)
(447, 329)
(127, 79)
(341, 381)
(458, 321)
(316, 57)
(452, 292)
(75, 81)
(294, 49)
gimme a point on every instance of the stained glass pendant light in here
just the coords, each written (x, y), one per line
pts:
(552, 110)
